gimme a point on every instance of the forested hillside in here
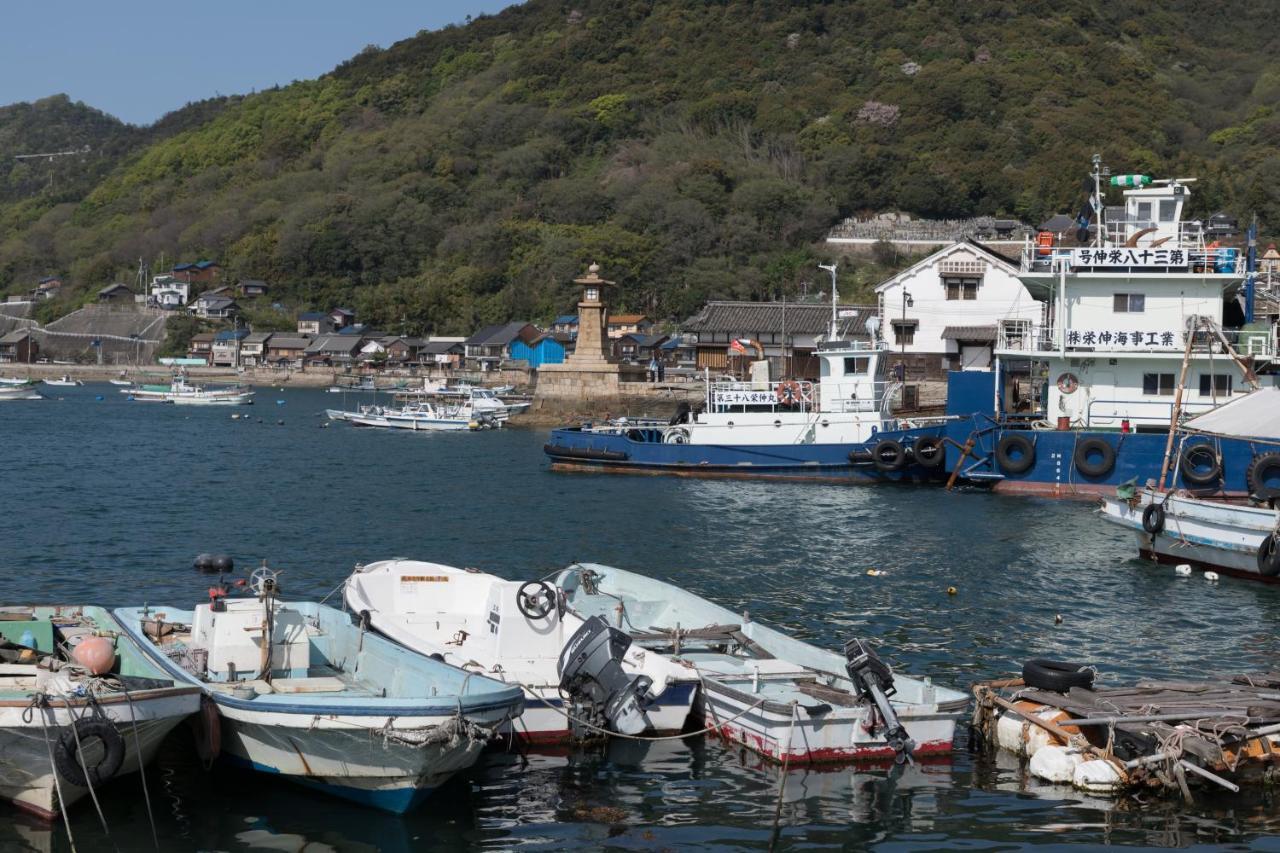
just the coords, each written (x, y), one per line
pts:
(695, 150)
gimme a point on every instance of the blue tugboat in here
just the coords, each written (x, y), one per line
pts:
(759, 427)
(1150, 322)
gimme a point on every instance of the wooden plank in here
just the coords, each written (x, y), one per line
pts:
(321, 684)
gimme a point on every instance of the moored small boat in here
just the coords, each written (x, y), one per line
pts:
(63, 381)
(24, 391)
(777, 696)
(182, 393)
(330, 705)
(507, 630)
(52, 709)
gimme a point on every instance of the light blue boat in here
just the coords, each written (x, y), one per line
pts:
(303, 692)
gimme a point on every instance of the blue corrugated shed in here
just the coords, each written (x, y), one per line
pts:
(567, 320)
(545, 349)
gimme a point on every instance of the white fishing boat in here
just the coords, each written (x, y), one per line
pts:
(54, 710)
(485, 401)
(425, 415)
(181, 392)
(777, 696)
(63, 381)
(24, 391)
(304, 693)
(365, 384)
(1231, 535)
(507, 630)
(14, 380)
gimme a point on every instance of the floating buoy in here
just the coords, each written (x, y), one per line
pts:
(951, 590)
(279, 423)
(279, 402)
(98, 398)
(1057, 620)
(96, 654)
(1211, 577)
(875, 573)
(1182, 570)
(235, 416)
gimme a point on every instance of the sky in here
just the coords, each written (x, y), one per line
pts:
(139, 59)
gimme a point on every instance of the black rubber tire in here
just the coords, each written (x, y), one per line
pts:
(888, 455)
(1055, 675)
(1089, 468)
(1153, 518)
(1190, 473)
(930, 453)
(1021, 463)
(1269, 556)
(861, 457)
(1255, 476)
(66, 759)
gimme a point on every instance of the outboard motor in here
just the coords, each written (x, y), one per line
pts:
(873, 681)
(590, 669)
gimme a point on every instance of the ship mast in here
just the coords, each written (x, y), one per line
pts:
(832, 333)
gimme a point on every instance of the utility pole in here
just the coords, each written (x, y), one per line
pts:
(50, 156)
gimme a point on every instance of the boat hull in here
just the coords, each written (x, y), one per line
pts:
(1208, 535)
(26, 777)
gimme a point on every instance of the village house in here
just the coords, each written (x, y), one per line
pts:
(115, 294)
(201, 347)
(19, 346)
(946, 311)
(168, 292)
(489, 346)
(727, 335)
(637, 348)
(253, 349)
(226, 347)
(547, 348)
(444, 352)
(341, 318)
(214, 306)
(47, 288)
(200, 272)
(313, 323)
(248, 288)
(286, 350)
(328, 350)
(566, 324)
(618, 325)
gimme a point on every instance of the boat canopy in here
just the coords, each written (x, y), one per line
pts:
(1255, 415)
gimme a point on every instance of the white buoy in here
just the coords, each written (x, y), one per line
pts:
(1211, 577)
(1055, 764)
(1182, 569)
(1097, 777)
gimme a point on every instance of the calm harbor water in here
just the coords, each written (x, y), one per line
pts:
(107, 502)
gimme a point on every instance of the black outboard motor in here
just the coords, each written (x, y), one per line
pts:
(873, 681)
(590, 669)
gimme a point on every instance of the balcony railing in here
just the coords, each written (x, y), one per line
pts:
(1259, 343)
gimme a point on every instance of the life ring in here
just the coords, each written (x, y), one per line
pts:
(789, 392)
(888, 455)
(1044, 243)
(1086, 449)
(1194, 456)
(930, 452)
(1068, 383)
(66, 753)
(1015, 453)
(1264, 467)
(1269, 556)
(679, 435)
(1153, 518)
(1056, 676)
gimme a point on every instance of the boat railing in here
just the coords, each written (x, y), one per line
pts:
(1259, 343)
(1112, 413)
(874, 402)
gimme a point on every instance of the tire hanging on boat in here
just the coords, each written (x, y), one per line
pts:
(889, 455)
(1015, 454)
(1087, 448)
(930, 453)
(1269, 556)
(1263, 467)
(1195, 455)
(66, 752)
(1153, 518)
(1055, 675)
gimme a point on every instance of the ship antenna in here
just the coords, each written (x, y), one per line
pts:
(832, 333)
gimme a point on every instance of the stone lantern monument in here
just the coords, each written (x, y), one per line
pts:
(589, 374)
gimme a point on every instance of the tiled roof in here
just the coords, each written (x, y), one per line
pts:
(626, 319)
(566, 320)
(288, 342)
(231, 335)
(801, 318)
(313, 315)
(497, 335)
(15, 337)
(969, 333)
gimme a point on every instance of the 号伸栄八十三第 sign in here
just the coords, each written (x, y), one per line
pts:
(1126, 257)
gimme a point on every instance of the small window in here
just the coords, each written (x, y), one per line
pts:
(961, 288)
(856, 365)
(1167, 208)
(1157, 384)
(904, 334)
(1215, 385)
(1144, 211)
(1129, 303)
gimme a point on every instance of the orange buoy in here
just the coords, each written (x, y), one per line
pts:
(96, 654)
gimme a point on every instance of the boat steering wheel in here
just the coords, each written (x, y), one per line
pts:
(263, 580)
(536, 599)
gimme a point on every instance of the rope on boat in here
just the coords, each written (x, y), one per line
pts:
(782, 777)
(142, 770)
(75, 731)
(40, 700)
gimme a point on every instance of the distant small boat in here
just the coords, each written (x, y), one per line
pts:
(304, 693)
(25, 391)
(63, 381)
(123, 382)
(47, 705)
(182, 393)
(425, 416)
(14, 380)
(366, 384)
